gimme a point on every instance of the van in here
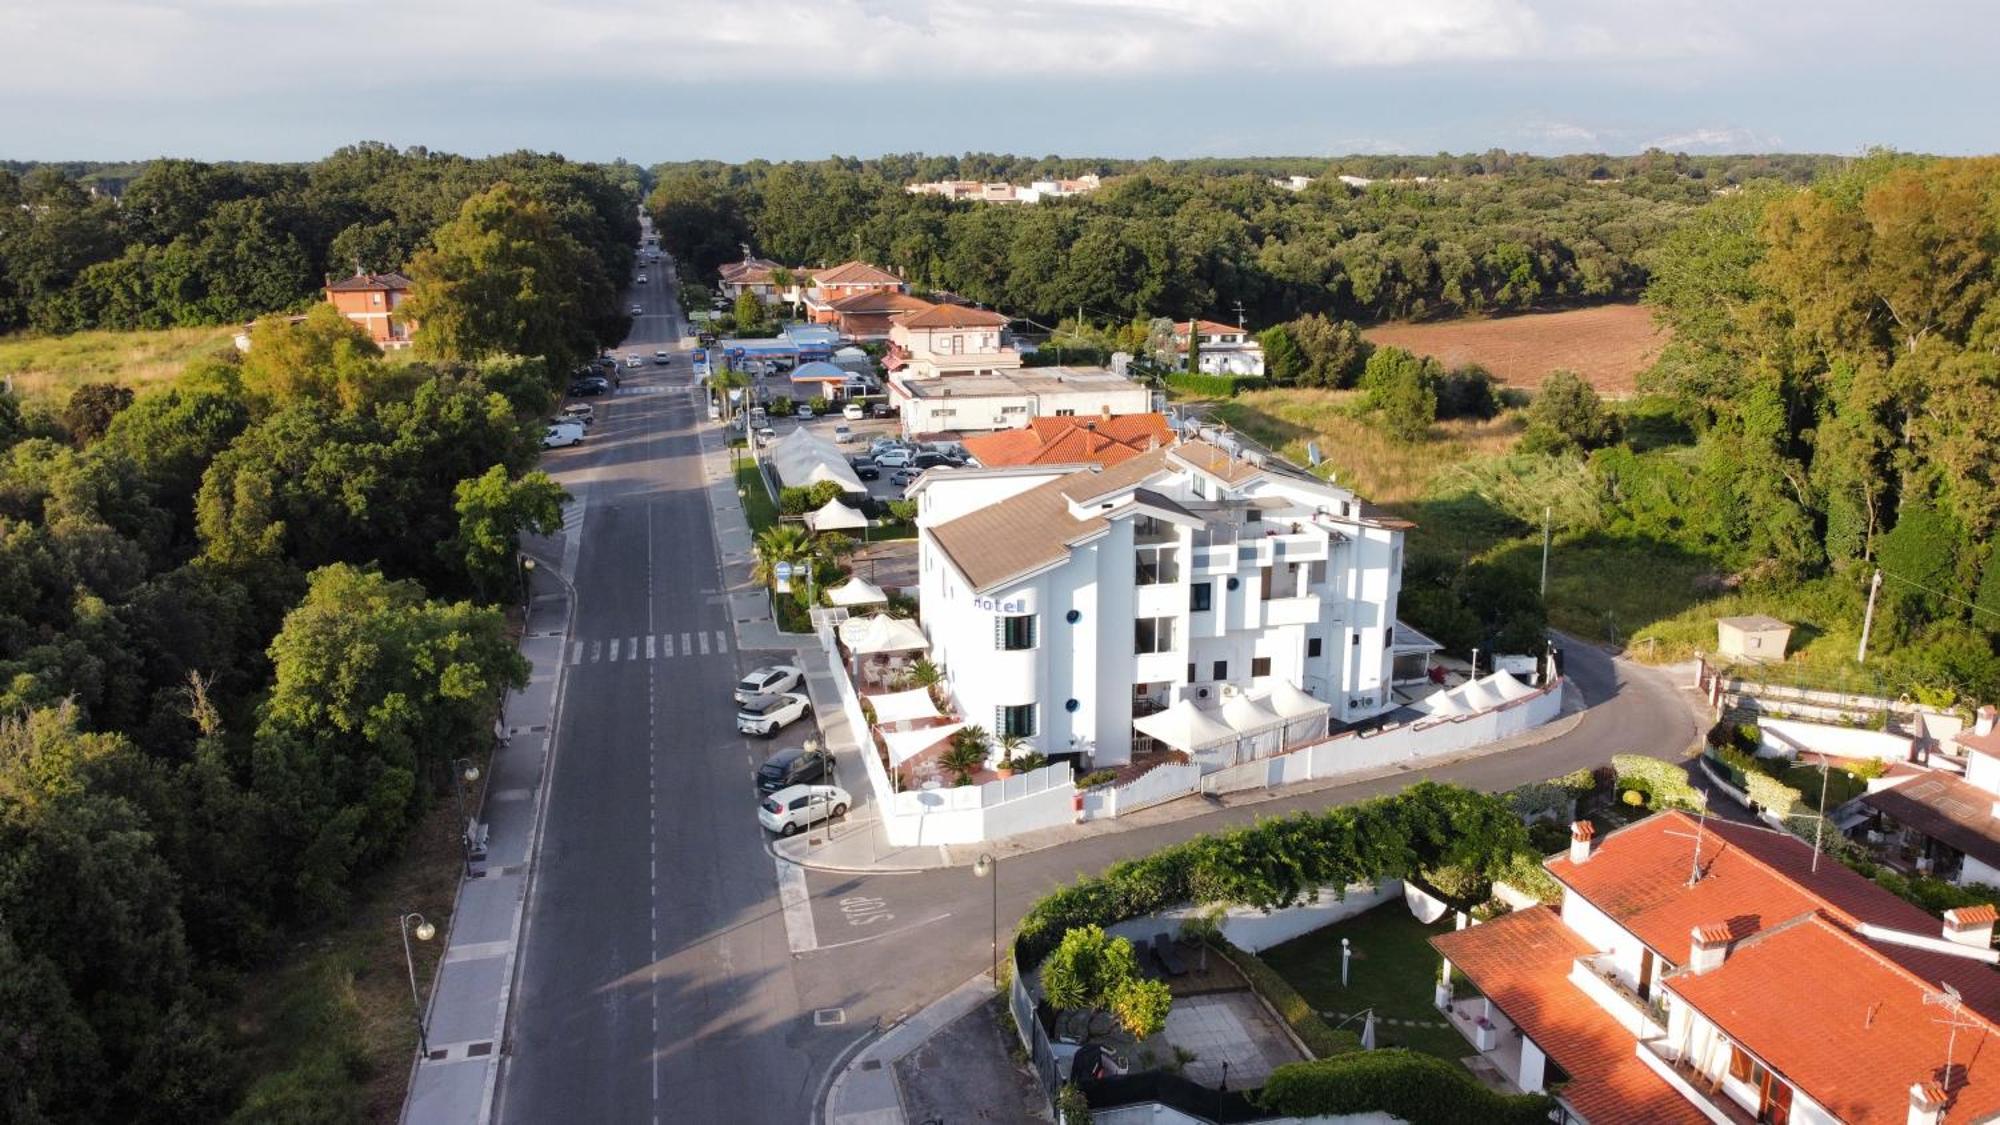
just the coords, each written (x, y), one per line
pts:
(842, 435)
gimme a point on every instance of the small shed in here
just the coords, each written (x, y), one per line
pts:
(1752, 637)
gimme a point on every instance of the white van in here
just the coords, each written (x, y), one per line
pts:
(564, 433)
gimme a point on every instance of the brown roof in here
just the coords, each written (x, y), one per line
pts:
(1521, 962)
(878, 301)
(749, 270)
(1210, 328)
(363, 282)
(1944, 808)
(1752, 878)
(1216, 462)
(1844, 1023)
(1022, 534)
(954, 316)
(854, 273)
(1073, 441)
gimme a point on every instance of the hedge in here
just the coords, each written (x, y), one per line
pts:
(1400, 1083)
(1323, 1041)
(1665, 782)
(1214, 386)
(1750, 774)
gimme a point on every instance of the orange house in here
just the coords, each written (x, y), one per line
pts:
(368, 299)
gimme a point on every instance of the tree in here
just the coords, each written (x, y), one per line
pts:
(504, 278)
(1566, 415)
(1087, 969)
(324, 358)
(91, 408)
(1283, 361)
(749, 312)
(1141, 1007)
(787, 543)
(1194, 346)
(1401, 388)
(493, 510)
(1334, 353)
(967, 754)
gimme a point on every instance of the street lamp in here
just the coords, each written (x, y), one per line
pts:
(424, 931)
(986, 865)
(463, 772)
(527, 588)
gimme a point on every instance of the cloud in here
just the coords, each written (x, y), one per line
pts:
(1716, 140)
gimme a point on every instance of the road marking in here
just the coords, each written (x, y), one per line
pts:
(798, 907)
(721, 643)
(614, 650)
(649, 646)
(687, 645)
(703, 638)
(885, 933)
(478, 950)
(596, 651)
(576, 653)
(632, 646)
(666, 644)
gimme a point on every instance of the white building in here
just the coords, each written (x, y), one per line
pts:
(1006, 400)
(1064, 602)
(949, 340)
(1226, 349)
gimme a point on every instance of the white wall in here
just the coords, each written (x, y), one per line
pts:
(1784, 738)
(1255, 930)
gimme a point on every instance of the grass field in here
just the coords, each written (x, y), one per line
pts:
(51, 366)
(1393, 971)
(1608, 345)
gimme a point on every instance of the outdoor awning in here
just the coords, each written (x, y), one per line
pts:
(1404, 640)
(836, 516)
(903, 706)
(1443, 705)
(1477, 696)
(1185, 727)
(856, 591)
(1292, 703)
(1507, 687)
(906, 744)
(881, 633)
(1250, 716)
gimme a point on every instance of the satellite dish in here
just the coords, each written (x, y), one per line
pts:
(1312, 454)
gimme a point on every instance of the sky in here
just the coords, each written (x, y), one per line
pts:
(802, 79)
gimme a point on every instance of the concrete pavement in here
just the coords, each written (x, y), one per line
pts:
(864, 1090)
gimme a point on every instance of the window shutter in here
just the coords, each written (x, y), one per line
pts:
(999, 631)
(1034, 629)
(1000, 721)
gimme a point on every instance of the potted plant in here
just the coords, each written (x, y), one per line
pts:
(1030, 761)
(967, 754)
(1009, 743)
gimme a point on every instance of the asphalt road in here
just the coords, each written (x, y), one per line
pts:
(658, 981)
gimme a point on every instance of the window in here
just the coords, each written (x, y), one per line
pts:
(1312, 648)
(1015, 633)
(375, 298)
(1152, 634)
(1252, 515)
(1155, 566)
(1221, 670)
(1355, 639)
(1388, 637)
(1739, 1064)
(1198, 486)
(1191, 676)
(1065, 413)
(1017, 721)
(1260, 666)
(1199, 597)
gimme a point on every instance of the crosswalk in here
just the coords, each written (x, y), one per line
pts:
(649, 646)
(647, 389)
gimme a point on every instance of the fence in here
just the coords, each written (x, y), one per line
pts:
(1034, 1034)
(1156, 786)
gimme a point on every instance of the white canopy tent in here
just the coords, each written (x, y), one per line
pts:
(881, 633)
(1262, 729)
(835, 516)
(1305, 717)
(903, 706)
(804, 458)
(1443, 705)
(856, 591)
(1507, 687)
(906, 744)
(1477, 696)
(1186, 727)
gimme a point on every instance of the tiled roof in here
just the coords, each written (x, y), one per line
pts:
(1521, 962)
(1216, 462)
(954, 316)
(1944, 808)
(877, 301)
(749, 270)
(1024, 533)
(1751, 879)
(362, 282)
(1844, 1023)
(1982, 915)
(1066, 441)
(854, 273)
(1210, 328)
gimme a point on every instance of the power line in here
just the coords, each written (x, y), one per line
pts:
(1912, 583)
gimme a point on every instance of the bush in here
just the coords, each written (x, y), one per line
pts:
(1665, 782)
(1072, 1108)
(1323, 1041)
(1213, 386)
(1398, 1082)
(782, 408)
(1096, 778)
(818, 405)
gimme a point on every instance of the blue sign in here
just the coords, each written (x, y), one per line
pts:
(783, 571)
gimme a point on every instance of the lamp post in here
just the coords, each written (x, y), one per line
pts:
(424, 931)
(464, 771)
(527, 588)
(1346, 952)
(984, 867)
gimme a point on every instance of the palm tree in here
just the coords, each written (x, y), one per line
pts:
(967, 754)
(723, 380)
(787, 542)
(1010, 744)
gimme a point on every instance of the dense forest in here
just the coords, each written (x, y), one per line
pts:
(249, 617)
(1495, 232)
(177, 242)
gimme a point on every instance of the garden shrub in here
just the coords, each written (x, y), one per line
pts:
(1665, 782)
(1096, 778)
(1323, 1041)
(1399, 1082)
(1213, 386)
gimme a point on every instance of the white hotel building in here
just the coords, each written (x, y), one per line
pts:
(1063, 602)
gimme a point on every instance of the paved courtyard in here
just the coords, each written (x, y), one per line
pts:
(1230, 1027)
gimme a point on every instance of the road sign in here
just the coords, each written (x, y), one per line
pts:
(783, 570)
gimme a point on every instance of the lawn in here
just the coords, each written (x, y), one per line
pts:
(1608, 345)
(51, 366)
(1394, 971)
(758, 507)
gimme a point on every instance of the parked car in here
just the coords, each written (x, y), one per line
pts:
(766, 715)
(794, 765)
(633, 360)
(853, 412)
(929, 460)
(642, 279)
(802, 806)
(903, 478)
(578, 412)
(765, 436)
(882, 443)
(896, 458)
(594, 385)
(662, 356)
(638, 310)
(561, 434)
(882, 410)
(843, 436)
(864, 468)
(768, 680)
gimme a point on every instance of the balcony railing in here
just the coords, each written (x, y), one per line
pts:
(1598, 976)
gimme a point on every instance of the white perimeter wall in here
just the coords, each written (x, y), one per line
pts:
(1784, 738)
(1255, 930)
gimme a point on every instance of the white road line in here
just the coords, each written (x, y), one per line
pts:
(632, 646)
(703, 638)
(596, 651)
(798, 907)
(687, 645)
(576, 653)
(721, 643)
(614, 650)
(649, 646)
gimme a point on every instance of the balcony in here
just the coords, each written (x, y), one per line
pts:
(1302, 610)
(1693, 1085)
(1303, 547)
(1597, 976)
(1215, 560)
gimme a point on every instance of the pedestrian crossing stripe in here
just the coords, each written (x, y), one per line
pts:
(649, 646)
(658, 647)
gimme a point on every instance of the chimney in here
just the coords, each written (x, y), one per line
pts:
(1927, 1101)
(1104, 412)
(1582, 841)
(1982, 720)
(1709, 947)
(1971, 925)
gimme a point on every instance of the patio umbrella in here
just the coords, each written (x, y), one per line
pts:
(1368, 1031)
(856, 591)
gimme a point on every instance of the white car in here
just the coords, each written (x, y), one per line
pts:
(772, 679)
(638, 310)
(853, 412)
(661, 356)
(801, 806)
(642, 279)
(896, 458)
(766, 715)
(560, 434)
(633, 360)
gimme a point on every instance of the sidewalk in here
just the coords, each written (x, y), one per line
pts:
(865, 1090)
(467, 1015)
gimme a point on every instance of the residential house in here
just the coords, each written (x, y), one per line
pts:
(849, 279)
(1703, 970)
(1065, 604)
(1226, 349)
(1006, 400)
(1937, 821)
(756, 275)
(998, 192)
(869, 315)
(946, 340)
(371, 300)
(1089, 439)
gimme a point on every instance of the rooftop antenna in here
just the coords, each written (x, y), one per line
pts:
(1698, 836)
(1955, 1019)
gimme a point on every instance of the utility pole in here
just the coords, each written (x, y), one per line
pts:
(1868, 618)
(1548, 513)
(1240, 323)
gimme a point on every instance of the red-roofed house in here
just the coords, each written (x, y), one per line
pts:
(1105, 439)
(1226, 349)
(870, 315)
(1754, 987)
(370, 300)
(756, 275)
(848, 279)
(949, 340)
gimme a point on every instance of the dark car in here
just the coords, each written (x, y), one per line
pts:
(584, 388)
(793, 766)
(936, 461)
(864, 468)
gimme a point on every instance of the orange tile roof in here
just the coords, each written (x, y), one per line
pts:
(1067, 441)
(1752, 878)
(363, 282)
(878, 301)
(954, 316)
(854, 273)
(1521, 962)
(1972, 915)
(1211, 328)
(1844, 1023)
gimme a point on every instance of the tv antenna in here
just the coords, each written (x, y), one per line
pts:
(1955, 1019)
(1699, 834)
